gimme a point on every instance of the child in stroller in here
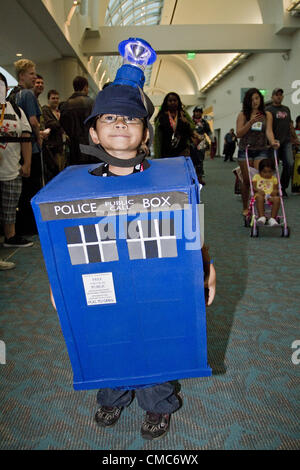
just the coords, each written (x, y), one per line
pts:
(265, 186)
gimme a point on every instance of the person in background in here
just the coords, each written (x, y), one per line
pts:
(73, 114)
(229, 145)
(54, 145)
(173, 129)
(26, 99)
(254, 129)
(265, 187)
(213, 147)
(281, 124)
(5, 265)
(13, 125)
(38, 90)
(203, 131)
(297, 133)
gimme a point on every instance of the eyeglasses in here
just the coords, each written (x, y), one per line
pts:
(112, 118)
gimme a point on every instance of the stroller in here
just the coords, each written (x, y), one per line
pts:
(251, 217)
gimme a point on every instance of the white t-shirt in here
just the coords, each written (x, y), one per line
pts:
(10, 152)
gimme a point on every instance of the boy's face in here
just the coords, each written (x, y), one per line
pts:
(118, 138)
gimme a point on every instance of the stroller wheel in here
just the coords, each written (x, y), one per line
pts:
(254, 232)
(285, 232)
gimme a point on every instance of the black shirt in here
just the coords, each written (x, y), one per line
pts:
(103, 170)
(281, 122)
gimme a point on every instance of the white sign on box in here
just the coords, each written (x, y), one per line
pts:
(99, 288)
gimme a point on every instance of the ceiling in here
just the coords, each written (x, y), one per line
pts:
(28, 28)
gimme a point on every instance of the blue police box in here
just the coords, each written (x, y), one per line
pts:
(123, 256)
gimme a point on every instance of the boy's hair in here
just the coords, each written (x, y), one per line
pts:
(79, 83)
(23, 65)
(39, 76)
(266, 163)
(52, 92)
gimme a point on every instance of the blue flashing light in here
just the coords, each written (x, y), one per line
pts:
(137, 54)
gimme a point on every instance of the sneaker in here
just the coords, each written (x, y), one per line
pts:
(284, 193)
(107, 416)
(261, 220)
(155, 425)
(4, 265)
(16, 242)
(272, 222)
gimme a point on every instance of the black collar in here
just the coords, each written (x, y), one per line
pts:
(103, 170)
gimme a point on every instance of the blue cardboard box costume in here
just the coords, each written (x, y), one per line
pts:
(123, 256)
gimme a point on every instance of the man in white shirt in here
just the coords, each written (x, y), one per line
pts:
(15, 137)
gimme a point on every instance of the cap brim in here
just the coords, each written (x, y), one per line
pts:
(277, 90)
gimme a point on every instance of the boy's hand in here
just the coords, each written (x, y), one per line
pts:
(210, 284)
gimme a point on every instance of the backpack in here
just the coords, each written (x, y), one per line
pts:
(12, 99)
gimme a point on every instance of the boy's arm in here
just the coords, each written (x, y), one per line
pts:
(210, 283)
(209, 276)
(52, 298)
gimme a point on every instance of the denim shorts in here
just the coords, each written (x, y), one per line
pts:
(253, 154)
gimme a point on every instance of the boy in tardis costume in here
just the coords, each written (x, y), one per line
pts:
(121, 134)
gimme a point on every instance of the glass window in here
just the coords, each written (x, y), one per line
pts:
(91, 243)
(151, 239)
(130, 12)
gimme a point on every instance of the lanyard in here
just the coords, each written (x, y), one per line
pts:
(173, 122)
(2, 114)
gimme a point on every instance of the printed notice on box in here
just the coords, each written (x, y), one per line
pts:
(99, 288)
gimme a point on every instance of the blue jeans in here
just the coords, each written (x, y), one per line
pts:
(159, 398)
(252, 154)
(285, 154)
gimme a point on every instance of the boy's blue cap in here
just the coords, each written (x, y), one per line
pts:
(119, 99)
